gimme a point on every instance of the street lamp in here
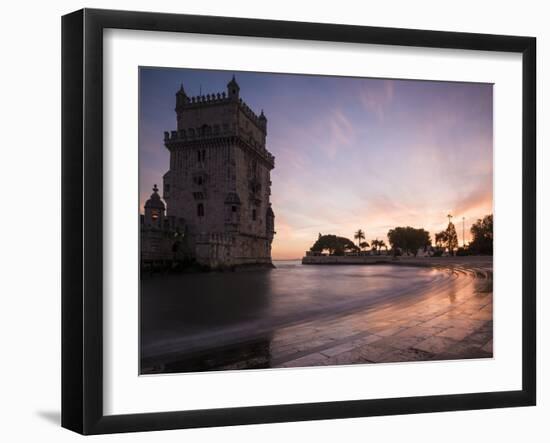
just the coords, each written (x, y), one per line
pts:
(463, 242)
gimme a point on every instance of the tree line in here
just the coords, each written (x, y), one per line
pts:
(408, 240)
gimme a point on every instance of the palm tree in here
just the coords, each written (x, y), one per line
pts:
(363, 245)
(359, 235)
(375, 244)
(382, 244)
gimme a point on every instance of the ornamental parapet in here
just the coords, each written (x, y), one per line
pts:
(192, 136)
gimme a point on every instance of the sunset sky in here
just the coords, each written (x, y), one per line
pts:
(350, 153)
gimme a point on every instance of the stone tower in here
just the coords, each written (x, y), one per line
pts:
(219, 178)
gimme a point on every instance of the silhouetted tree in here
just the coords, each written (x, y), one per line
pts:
(334, 245)
(377, 245)
(359, 235)
(482, 233)
(363, 245)
(441, 239)
(408, 239)
(440, 243)
(452, 238)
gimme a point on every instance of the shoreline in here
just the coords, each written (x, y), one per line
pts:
(402, 260)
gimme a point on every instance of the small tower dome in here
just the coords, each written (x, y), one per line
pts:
(154, 209)
(154, 201)
(233, 89)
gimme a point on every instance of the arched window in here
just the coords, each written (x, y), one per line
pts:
(254, 214)
(200, 210)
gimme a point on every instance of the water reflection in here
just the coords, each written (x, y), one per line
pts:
(452, 291)
(254, 354)
(211, 321)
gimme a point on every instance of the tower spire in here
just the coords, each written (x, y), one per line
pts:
(181, 90)
(233, 89)
(181, 98)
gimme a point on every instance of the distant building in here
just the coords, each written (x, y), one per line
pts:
(218, 184)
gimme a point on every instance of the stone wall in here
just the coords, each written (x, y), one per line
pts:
(346, 260)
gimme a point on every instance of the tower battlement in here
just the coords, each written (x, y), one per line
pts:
(187, 104)
(221, 99)
(202, 99)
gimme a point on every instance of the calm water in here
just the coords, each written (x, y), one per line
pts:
(186, 313)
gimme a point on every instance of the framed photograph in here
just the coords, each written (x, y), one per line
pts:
(269, 221)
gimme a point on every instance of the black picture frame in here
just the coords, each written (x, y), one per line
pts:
(82, 218)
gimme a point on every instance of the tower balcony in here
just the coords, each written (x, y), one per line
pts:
(205, 132)
(174, 139)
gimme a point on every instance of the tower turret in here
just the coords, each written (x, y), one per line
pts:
(263, 121)
(181, 99)
(270, 222)
(233, 89)
(154, 210)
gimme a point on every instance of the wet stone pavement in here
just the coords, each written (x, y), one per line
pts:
(433, 328)
(451, 321)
